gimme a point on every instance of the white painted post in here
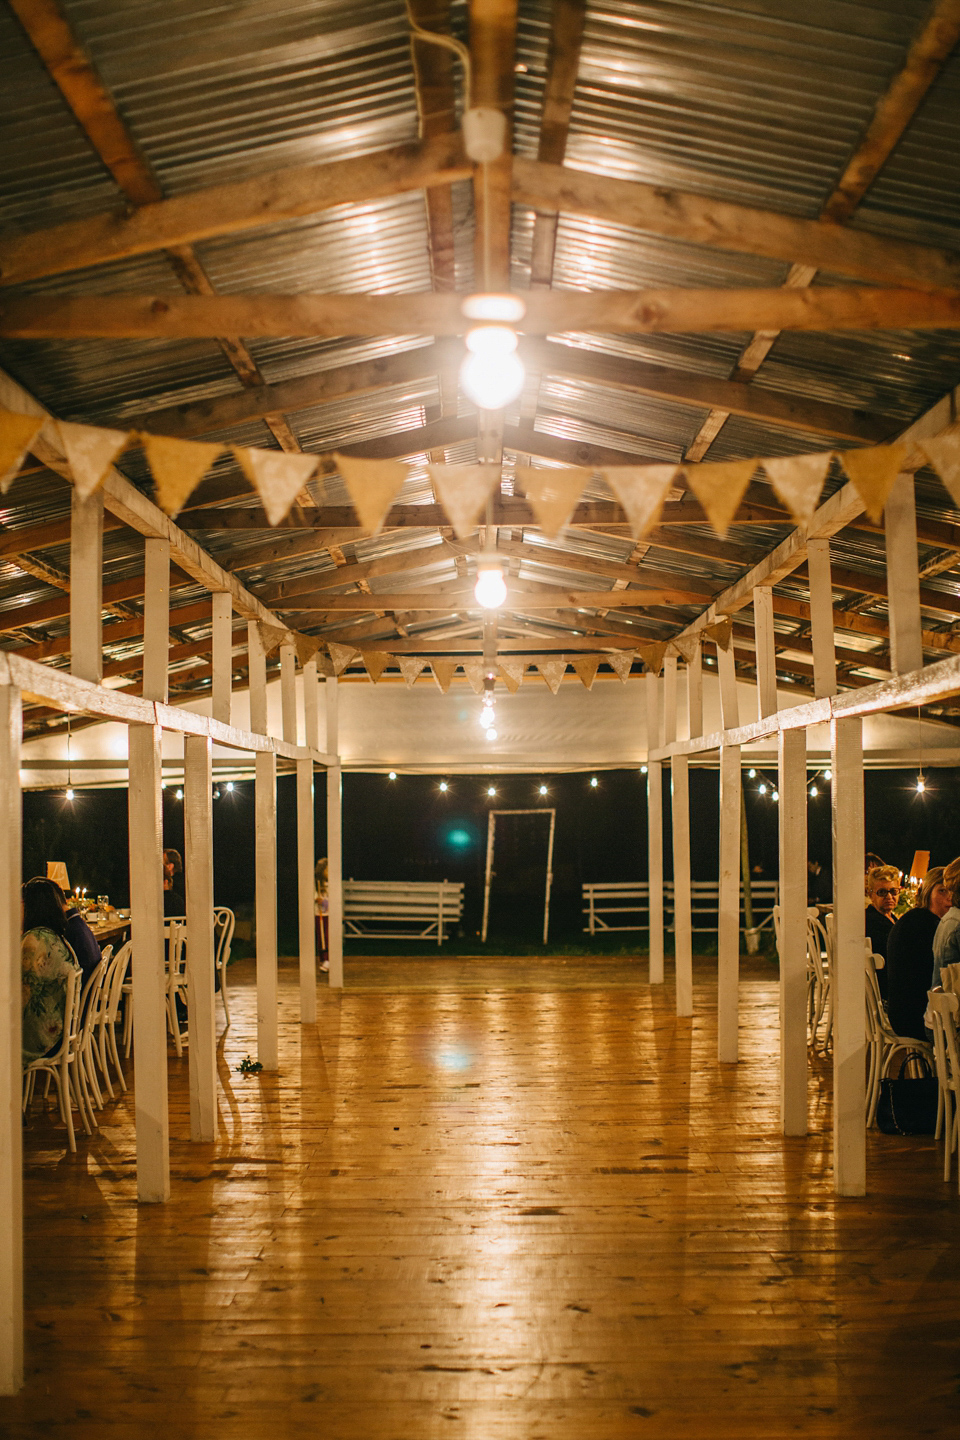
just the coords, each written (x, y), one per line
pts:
(222, 685)
(728, 919)
(903, 577)
(86, 586)
(265, 806)
(727, 674)
(847, 980)
(655, 830)
(821, 618)
(288, 692)
(334, 842)
(766, 652)
(792, 781)
(11, 1042)
(311, 706)
(198, 873)
(149, 990)
(682, 917)
(695, 693)
(669, 700)
(257, 672)
(156, 619)
(305, 893)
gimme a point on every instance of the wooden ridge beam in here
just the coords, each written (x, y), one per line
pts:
(436, 104)
(493, 43)
(725, 226)
(518, 597)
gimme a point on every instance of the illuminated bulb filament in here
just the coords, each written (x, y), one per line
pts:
(492, 373)
(490, 589)
(921, 785)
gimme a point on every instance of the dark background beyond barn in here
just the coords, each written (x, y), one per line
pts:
(407, 829)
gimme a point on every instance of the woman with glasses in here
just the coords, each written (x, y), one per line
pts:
(946, 942)
(883, 892)
(910, 956)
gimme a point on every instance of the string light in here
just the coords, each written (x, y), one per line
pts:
(543, 790)
(491, 733)
(491, 790)
(230, 787)
(776, 794)
(444, 787)
(814, 792)
(761, 789)
(643, 769)
(179, 794)
(594, 782)
(921, 783)
(828, 774)
(751, 774)
(392, 775)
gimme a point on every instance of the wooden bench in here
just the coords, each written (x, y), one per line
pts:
(606, 902)
(427, 908)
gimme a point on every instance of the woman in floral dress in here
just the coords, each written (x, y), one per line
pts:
(45, 962)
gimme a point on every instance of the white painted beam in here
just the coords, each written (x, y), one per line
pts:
(792, 782)
(334, 841)
(821, 617)
(682, 916)
(847, 978)
(903, 576)
(156, 619)
(695, 693)
(728, 919)
(766, 652)
(257, 673)
(655, 830)
(198, 876)
(222, 683)
(729, 699)
(311, 706)
(265, 807)
(305, 893)
(11, 1048)
(669, 700)
(288, 692)
(86, 586)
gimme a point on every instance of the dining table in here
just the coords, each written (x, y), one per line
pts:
(110, 928)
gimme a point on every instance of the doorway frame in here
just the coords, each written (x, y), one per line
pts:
(491, 832)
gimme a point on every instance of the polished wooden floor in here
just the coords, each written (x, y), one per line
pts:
(516, 1201)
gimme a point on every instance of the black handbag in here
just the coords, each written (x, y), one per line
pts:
(908, 1105)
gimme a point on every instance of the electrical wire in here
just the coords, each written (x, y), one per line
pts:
(446, 42)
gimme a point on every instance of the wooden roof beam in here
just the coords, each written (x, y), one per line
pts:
(563, 65)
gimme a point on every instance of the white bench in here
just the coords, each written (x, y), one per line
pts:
(375, 908)
(604, 904)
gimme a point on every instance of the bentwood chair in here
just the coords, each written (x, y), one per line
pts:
(91, 1002)
(944, 1006)
(176, 980)
(224, 921)
(107, 1052)
(819, 989)
(63, 1065)
(883, 1042)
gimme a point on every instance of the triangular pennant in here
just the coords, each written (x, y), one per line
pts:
(720, 488)
(553, 495)
(797, 481)
(622, 662)
(307, 647)
(652, 655)
(443, 672)
(943, 452)
(372, 486)
(641, 490)
(586, 667)
(721, 632)
(553, 671)
(873, 471)
(277, 477)
(474, 671)
(340, 656)
(410, 667)
(17, 432)
(686, 646)
(272, 637)
(90, 452)
(178, 466)
(512, 669)
(376, 661)
(463, 491)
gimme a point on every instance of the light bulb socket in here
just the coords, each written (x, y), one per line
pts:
(484, 133)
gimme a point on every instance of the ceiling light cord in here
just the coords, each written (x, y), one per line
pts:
(446, 42)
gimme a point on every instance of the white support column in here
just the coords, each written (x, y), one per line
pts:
(821, 618)
(86, 586)
(305, 893)
(669, 700)
(847, 979)
(11, 1043)
(156, 619)
(766, 653)
(727, 674)
(903, 577)
(265, 792)
(149, 1000)
(655, 830)
(198, 874)
(222, 656)
(792, 781)
(257, 665)
(682, 917)
(695, 693)
(334, 842)
(728, 922)
(288, 692)
(311, 706)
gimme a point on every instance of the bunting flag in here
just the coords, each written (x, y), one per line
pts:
(474, 671)
(721, 632)
(277, 477)
(17, 433)
(873, 471)
(372, 486)
(652, 654)
(375, 661)
(178, 466)
(340, 656)
(90, 452)
(272, 637)
(307, 647)
(553, 671)
(463, 491)
(586, 667)
(621, 662)
(686, 646)
(553, 495)
(443, 672)
(512, 670)
(944, 455)
(797, 481)
(641, 490)
(410, 668)
(720, 488)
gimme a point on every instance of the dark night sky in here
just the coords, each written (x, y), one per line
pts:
(408, 830)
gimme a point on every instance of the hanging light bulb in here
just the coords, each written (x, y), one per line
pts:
(69, 792)
(492, 373)
(814, 792)
(751, 774)
(490, 589)
(491, 733)
(543, 789)
(776, 794)
(761, 789)
(487, 716)
(444, 787)
(491, 790)
(828, 774)
(921, 785)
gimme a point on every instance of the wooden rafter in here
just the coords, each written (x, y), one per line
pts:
(436, 103)
(563, 64)
(493, 38)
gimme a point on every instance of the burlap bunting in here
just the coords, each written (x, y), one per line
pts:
(340, 656)
(641, 490)
(473, 669)
(443, 672)
(621, 662)
(720, 488)
(797, 481)
(90, 452)
(685, 646)
(375, 662)
(943, 452)
(178, 466)
(512, 670)
(721, 632)
(652, 654)
(586, 666)
(307, 646)
(372, 486)
(272, 637)
(553, 671)
(410, 668)
(463, 491)
(17, 432)
(873, 471)
(276, 476)
(553, 494)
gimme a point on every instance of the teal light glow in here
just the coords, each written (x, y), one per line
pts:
(459, 839)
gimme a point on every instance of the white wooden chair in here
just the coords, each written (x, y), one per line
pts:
(91, 1001)
(175, 933)
(883, 1042)
(63, 1065)
(107, 1052)
(944, 1006)
(819, 989)
(224, 921)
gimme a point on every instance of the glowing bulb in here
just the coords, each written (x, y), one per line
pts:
(762, 789)
(643, 769)
(69, 792)
(921, 785)
(491, 790)
(487, 716)
(444, 786)
(776, 794)
(230, 786)
(543, 789)
(490, 590)
(179, 794)
(491, 733)
(392, 775)
(751, 774)
(594, 782)
(828, 774)
(814, 791)
(492, 374)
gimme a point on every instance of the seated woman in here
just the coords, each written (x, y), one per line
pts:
(80, 937)
(946, 942)
(883, 892)
(173, 901)
(910, 956)
(45, 962)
